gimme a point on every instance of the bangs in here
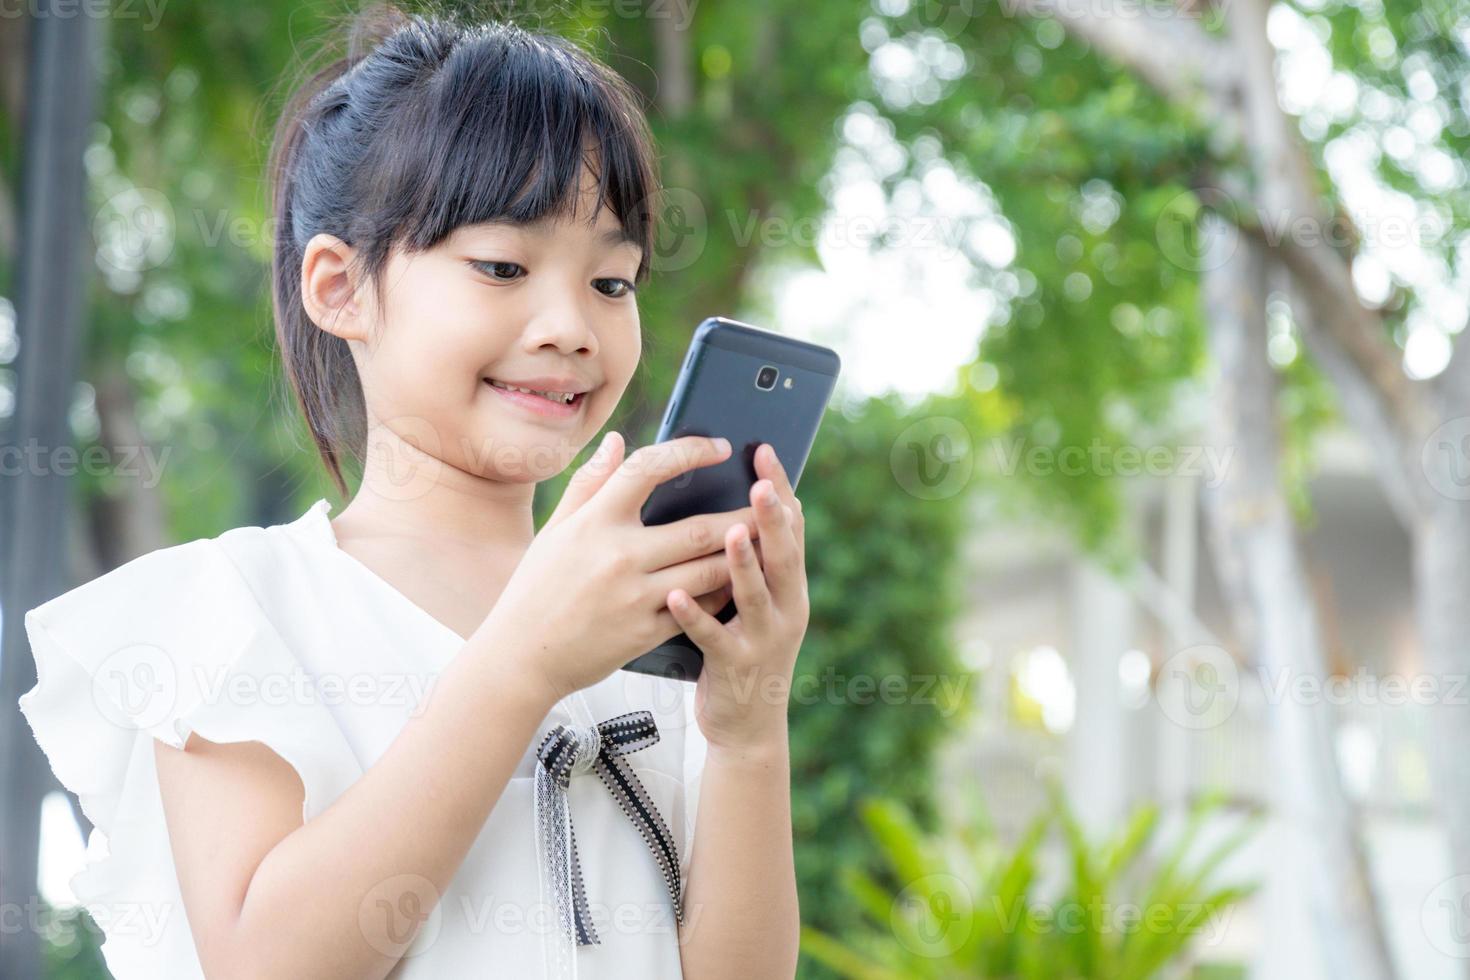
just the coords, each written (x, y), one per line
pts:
(505, 131)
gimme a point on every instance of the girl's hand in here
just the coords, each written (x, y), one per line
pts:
(590, 593)
(743, 689)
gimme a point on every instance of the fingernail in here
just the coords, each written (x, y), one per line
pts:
(770, 496)
(722, 444)
(742, 542)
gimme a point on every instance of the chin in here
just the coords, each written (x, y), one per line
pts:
(517, 456)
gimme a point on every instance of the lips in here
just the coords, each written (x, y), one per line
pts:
(551, 395)
(542, 402)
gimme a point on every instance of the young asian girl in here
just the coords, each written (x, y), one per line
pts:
(396, 742)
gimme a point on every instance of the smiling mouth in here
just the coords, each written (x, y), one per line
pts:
(554, 397)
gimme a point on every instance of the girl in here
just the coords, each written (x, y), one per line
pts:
(357, 746)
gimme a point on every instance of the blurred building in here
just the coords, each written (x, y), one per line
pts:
(1072, 664)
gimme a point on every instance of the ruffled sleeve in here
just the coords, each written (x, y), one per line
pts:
(170, 643)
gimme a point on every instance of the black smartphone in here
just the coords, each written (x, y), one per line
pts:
(750, 386)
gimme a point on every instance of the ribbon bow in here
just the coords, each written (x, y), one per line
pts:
(578, 748)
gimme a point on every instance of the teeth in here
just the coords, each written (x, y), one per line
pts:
(565, 397)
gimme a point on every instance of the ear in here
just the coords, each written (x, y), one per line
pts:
(329, 287)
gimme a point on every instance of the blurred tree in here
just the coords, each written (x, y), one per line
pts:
(1104, 131)
(49, 269)
(179, 358)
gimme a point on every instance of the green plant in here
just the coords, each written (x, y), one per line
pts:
(1119, 915)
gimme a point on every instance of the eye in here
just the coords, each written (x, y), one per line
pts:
(503, 271)
(620, 287)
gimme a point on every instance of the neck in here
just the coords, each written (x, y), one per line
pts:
(408, 492)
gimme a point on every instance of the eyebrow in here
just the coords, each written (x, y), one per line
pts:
(611, 238)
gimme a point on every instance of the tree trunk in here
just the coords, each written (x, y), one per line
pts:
(50, 297)
(1256, 551)
(1442, 597)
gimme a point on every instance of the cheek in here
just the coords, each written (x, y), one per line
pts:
(621, 350)
(434, 338)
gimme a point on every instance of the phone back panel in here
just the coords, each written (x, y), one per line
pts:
(717, 395)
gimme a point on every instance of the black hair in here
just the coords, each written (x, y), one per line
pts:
(425, 125)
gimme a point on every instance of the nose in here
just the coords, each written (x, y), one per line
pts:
(564, 326)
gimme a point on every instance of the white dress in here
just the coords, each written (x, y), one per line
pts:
(277, 635)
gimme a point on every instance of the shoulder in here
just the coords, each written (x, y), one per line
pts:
(163, 592)
(170, 591)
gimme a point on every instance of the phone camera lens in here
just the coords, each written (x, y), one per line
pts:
(765, 378)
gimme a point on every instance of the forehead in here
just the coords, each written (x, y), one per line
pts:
(607, 232)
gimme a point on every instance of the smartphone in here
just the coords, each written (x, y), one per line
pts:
(750, 386)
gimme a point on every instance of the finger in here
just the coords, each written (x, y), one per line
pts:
(708, 633)
(648, 466)
(713, 602)
(770, 467)
(747, 580)
(693, 537)
(696, 576)
(782, 560)
(590, 476)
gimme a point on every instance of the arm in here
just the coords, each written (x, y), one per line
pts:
(343, 894)
(741, 911)
(269, 896)
(743, 917)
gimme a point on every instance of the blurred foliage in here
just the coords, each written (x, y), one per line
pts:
(883, 575)
(180, 306)
(73, 947)
(1096, 335)
(991, 910)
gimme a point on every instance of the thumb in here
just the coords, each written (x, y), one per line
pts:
(590, 476)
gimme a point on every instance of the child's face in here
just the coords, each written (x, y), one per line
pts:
(548, 306)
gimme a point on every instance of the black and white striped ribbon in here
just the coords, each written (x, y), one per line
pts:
(579, 748)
